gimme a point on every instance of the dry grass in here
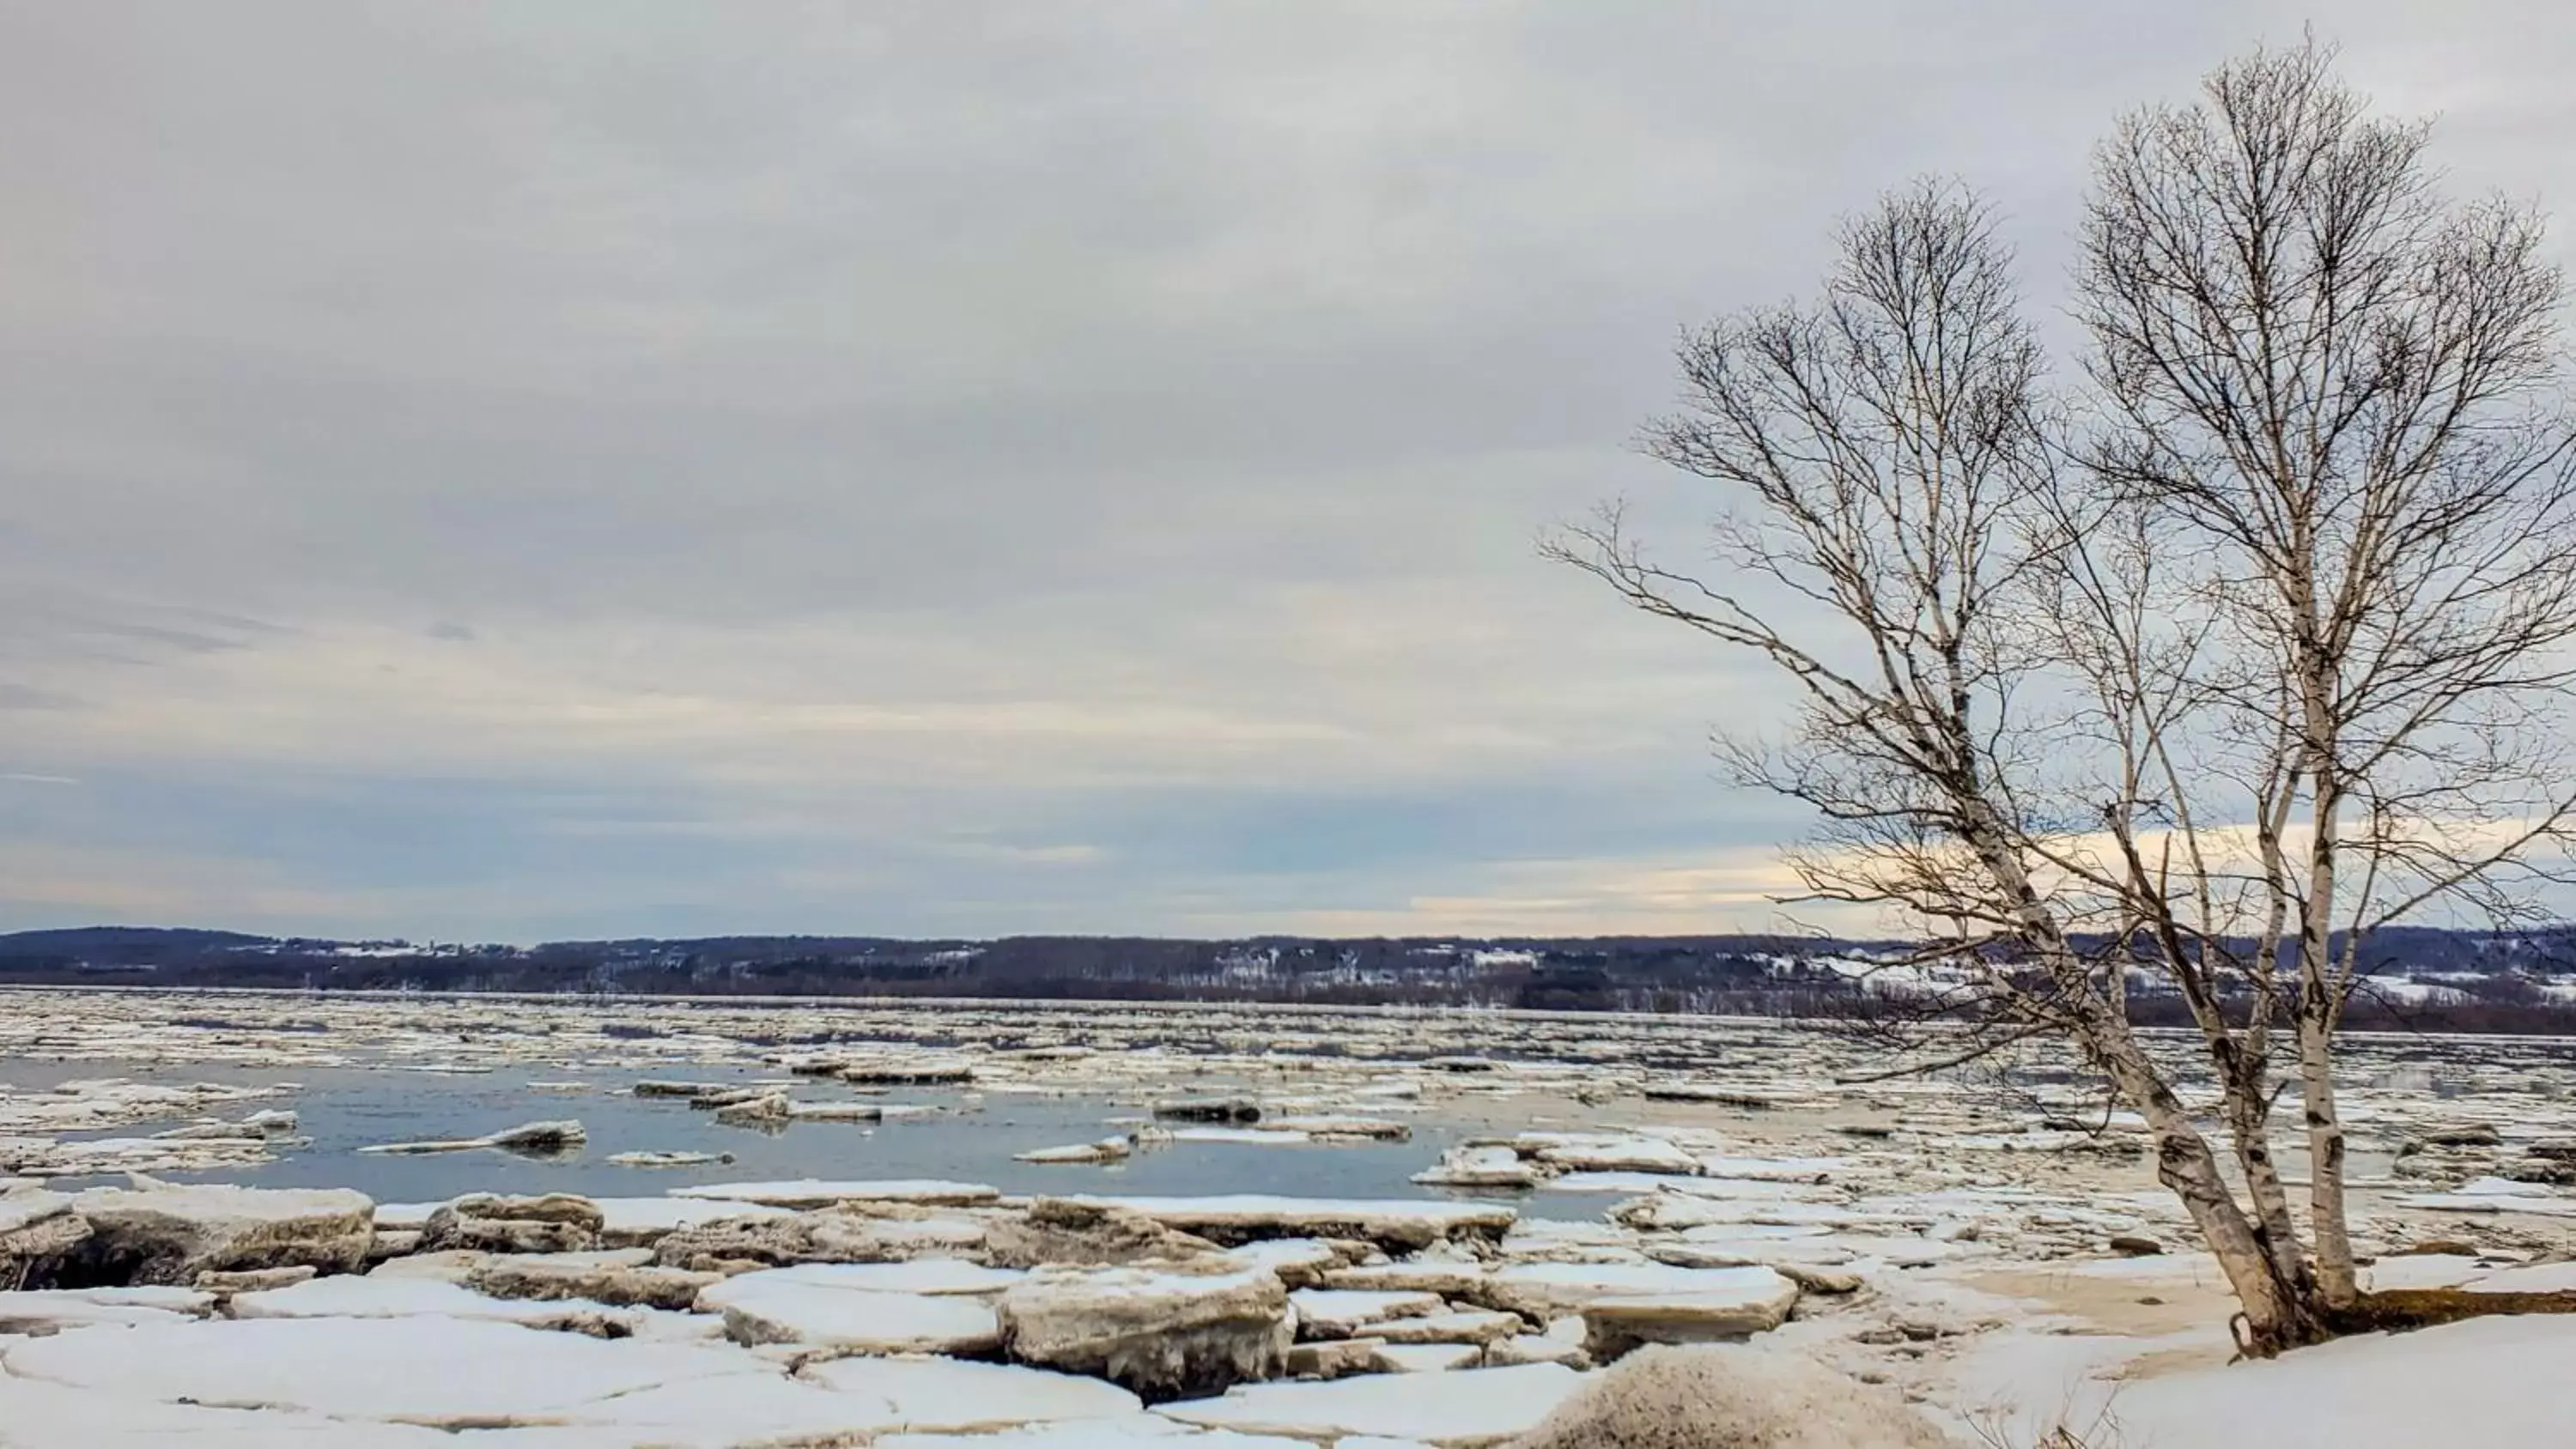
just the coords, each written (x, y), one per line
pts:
(2103, 1435)
(2002, 1429)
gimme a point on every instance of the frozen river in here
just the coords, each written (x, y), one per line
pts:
(98, 1083)
(966, 1136)
(1982, 1242)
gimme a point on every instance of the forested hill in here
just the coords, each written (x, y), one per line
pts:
(1751, 973)
(2429, 978)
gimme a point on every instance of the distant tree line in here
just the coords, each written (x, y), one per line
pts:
(2489, 982)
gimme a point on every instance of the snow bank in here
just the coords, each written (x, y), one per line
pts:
(2496, 1383)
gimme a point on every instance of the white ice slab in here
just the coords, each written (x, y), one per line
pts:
(420, 1370)
(52, 1310)
(630, 1218)
(779, 1307)
(933, 1276)
(1545, 1291)
(944, 1394)
(814, 1193)
(1345, 1312)
(393, 1296)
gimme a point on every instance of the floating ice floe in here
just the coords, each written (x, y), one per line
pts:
(1330, 1128)
(1241, 1136)
(538, 1138)
(666, 1159)
(1107, 1149)
(1579, 1152)
(1480, 1166)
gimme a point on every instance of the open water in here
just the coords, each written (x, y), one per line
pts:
(344, 1109)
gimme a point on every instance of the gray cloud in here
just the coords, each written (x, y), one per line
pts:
(914, 462)
(24, 696)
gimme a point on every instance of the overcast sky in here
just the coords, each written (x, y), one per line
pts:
(544, 469)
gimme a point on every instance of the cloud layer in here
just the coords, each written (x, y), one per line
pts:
(914, 468)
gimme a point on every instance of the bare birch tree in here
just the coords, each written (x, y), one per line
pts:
(2259, 651)
(2344, 393)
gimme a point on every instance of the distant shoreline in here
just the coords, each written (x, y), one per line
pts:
(852, 1001)
(2422, 979)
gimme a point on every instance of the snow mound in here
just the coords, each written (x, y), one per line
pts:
(1729, 1398)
